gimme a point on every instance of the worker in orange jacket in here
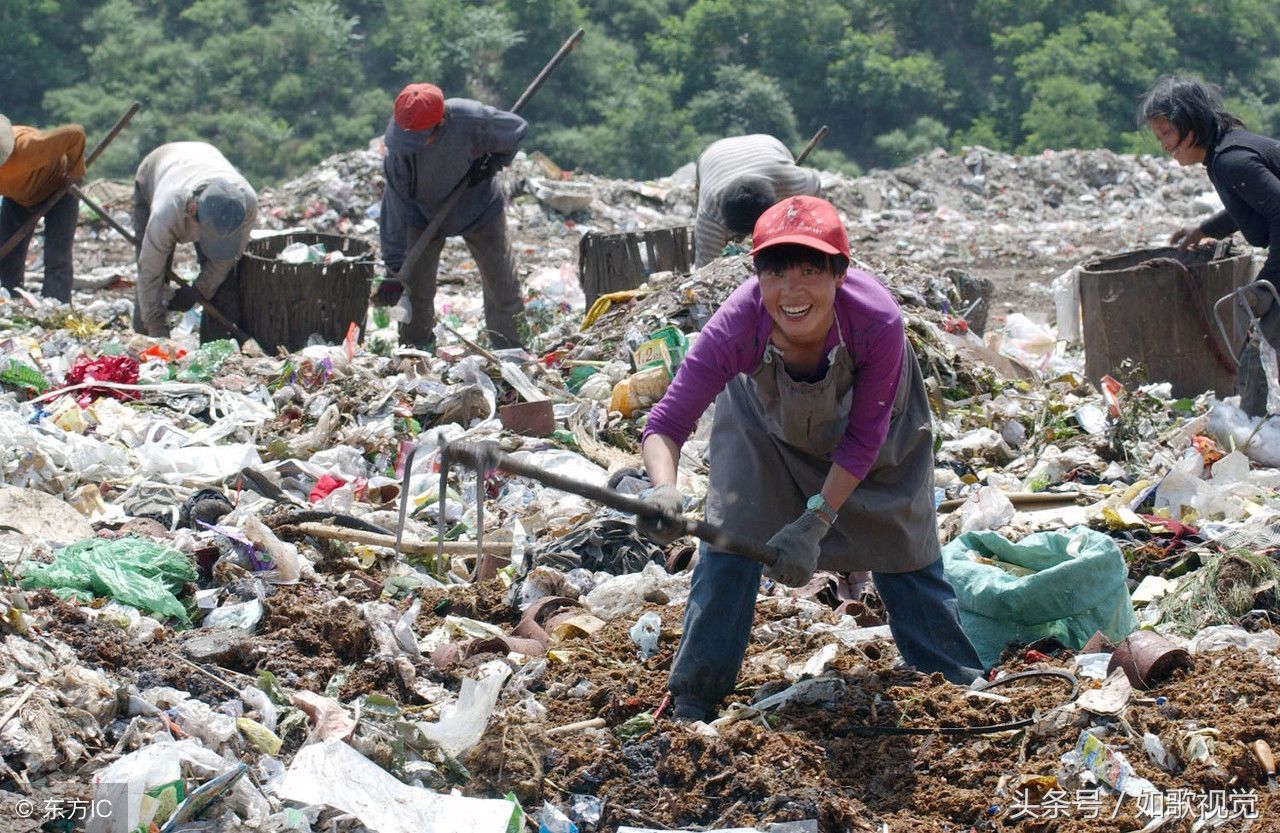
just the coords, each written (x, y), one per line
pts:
(34, 165)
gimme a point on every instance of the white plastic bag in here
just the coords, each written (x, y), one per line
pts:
(987, 508)
(1066, 303)
(334, 774)
(285, 556)
(147, 775)
(462, 723)
(645, 633)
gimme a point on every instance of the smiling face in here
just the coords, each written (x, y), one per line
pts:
(1183, 149)
(800, 298)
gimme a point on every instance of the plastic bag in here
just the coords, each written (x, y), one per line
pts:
(987, 508)
(123, 369)
(462, 723)
(1028, 342)
(1066, 303)
(285, 557)
(551, 819)
(20, 375)
(130, 570)
(150, 782)
(645, 633)
(1077, 587)
(243, 615)
(201, 365)
(334, 774)
(1231, 426)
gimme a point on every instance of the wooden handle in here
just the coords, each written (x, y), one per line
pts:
(1262, 751)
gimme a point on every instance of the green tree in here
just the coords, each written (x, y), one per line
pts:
(743, 101)
(256, 80)
(456, 45)
(39, 50)
(900, 146)
(1065, 113)
(873, 86)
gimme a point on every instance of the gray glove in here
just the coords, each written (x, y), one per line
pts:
(797, 546)
(668, 499)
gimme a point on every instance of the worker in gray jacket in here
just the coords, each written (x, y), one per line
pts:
(432, 144)
(739, 178)
(187, 192)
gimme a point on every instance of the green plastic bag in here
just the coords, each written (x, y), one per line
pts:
(21, 375)
(1077, 587)
(131, 570)
(202, 364)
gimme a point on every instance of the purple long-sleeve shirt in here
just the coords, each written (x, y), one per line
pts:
(734, 341)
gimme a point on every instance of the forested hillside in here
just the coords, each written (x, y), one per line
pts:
(279, 84)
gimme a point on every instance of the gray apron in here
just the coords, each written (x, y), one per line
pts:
(770, 450)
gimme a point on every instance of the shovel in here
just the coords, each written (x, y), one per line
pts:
(482, 457)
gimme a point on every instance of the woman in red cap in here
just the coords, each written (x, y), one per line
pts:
(821, 444)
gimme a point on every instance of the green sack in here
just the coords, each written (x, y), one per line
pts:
(131, 570)
(1078, 587)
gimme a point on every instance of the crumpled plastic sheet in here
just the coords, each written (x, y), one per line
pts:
(132, 570)
(122, 369)
(611, 545)
(334, 774)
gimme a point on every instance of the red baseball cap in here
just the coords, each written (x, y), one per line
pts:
(419, 107)
(808, 221)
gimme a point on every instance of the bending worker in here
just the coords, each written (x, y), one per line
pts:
(1191, 124)
(432, 145)
(821, 445)
(738, 178)
(33, 166)
(187, 192)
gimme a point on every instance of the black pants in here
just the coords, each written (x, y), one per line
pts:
(59, 232)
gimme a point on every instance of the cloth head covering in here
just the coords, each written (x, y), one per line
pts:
(221, 210)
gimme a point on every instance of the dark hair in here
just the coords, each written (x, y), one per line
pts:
(785, 255)
(1191, 106)
(743, 201)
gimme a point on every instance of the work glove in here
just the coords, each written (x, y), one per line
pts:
(797, 546)
(388, 292)
(183, 299)
(668, 499)
(481, 169)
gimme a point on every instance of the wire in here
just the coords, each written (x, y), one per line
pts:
(972, 730)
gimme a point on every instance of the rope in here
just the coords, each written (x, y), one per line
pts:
(972, 730)
(1201, 311)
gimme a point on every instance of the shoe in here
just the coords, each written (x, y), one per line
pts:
(689, 712)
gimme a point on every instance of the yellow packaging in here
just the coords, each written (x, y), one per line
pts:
(639, 391)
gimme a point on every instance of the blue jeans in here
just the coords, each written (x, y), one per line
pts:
(921, 606)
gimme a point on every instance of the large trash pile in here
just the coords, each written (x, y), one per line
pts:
(213, 621)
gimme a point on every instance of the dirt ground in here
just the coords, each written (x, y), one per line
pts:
(843, 763)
